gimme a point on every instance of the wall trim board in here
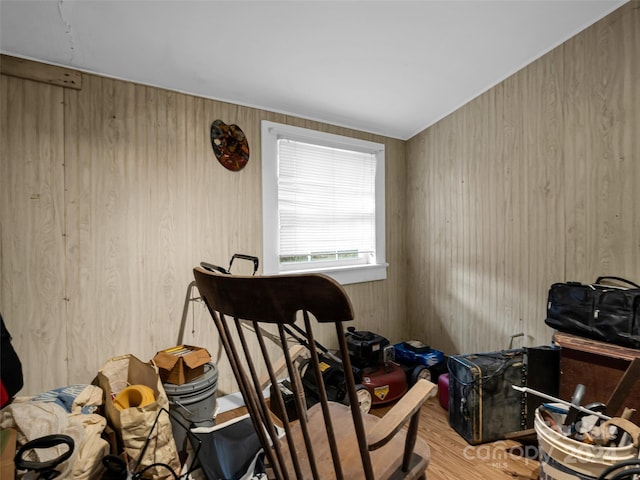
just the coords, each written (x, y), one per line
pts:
(40, 72)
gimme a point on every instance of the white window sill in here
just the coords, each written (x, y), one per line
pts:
(349, 274)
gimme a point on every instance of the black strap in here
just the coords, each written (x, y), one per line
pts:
(242, 256)
(227, 271)
(619, 466)
(214, 268)
(47, 441)
(619, 279)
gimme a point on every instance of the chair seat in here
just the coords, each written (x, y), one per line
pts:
(386, 460)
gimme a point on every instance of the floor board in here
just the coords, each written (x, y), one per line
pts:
(452, 458)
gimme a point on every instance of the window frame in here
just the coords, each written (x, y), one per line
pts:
(347, 274)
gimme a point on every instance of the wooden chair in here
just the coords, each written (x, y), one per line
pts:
(329, 440)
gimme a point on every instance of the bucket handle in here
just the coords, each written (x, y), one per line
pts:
(628, 426)
(189, 419)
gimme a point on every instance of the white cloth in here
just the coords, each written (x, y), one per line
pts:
(35, 419)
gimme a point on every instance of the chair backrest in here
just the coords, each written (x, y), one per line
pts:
(256, 302)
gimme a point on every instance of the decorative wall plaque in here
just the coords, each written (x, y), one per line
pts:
(229, 145)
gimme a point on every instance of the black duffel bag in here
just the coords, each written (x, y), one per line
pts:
(602, 312)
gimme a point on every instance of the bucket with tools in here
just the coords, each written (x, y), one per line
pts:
(578, 442)
(565, 458)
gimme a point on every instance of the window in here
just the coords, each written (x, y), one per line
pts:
(323, 204)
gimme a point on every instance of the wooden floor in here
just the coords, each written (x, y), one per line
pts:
(452, 458)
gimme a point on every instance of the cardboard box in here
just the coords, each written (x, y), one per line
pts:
(181, 364)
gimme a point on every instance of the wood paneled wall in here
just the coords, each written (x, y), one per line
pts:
(111, 194)
(534, 182)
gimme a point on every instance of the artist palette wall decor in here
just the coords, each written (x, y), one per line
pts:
(230, 145)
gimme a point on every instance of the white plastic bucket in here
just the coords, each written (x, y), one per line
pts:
(562, 458)
(192, 404)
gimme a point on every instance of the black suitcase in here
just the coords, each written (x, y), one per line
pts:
(600, 312)
(483, 405)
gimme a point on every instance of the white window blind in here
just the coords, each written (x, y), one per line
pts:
(323, 204)
(326, 199)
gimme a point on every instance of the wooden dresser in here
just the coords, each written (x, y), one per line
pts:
(599, 366)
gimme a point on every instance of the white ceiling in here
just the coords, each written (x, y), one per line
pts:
(387, 67)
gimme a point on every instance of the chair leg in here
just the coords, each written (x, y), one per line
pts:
(410, 442)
